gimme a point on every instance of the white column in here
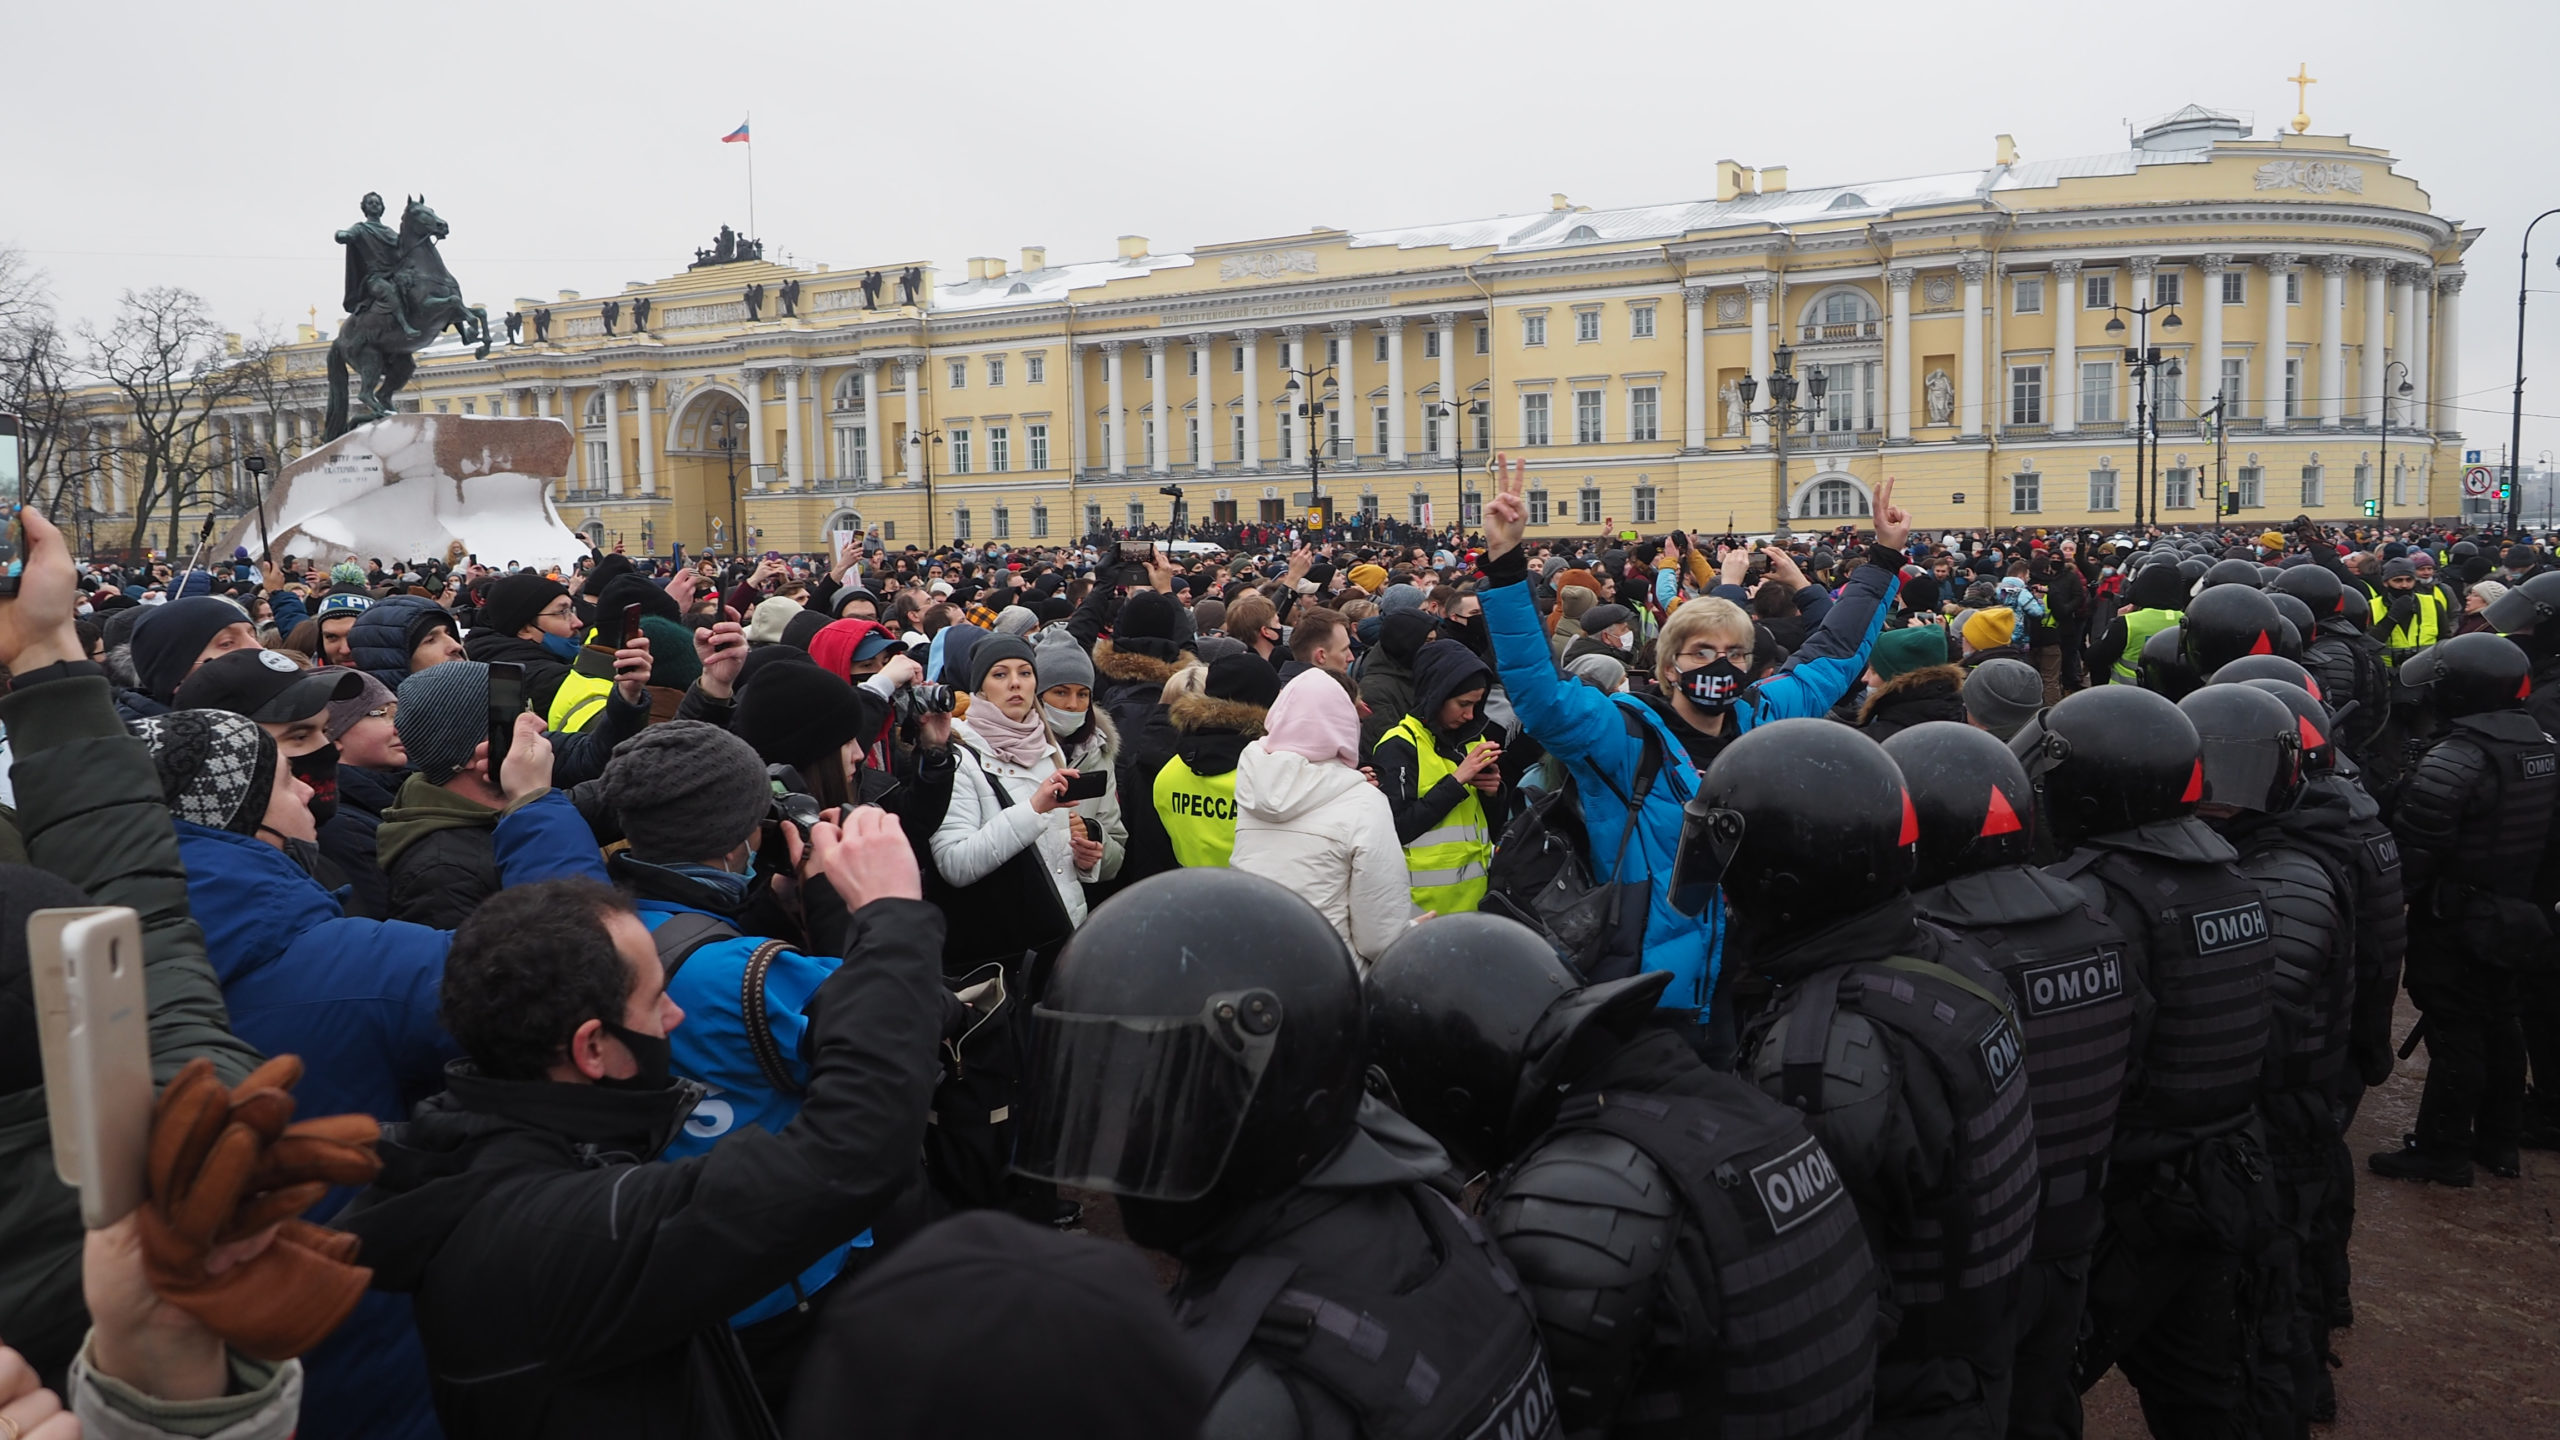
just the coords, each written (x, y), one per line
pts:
(2422, 352)
(1250, 339)
(1204, 353)
(913, 368)
(1897, 380)
(871, 418)
(1160, 456)
(2333, 338)
(2066, 346)
(753, 382)
(1693, 333)
(1346, 371)
(115, 467)
(2271, 380)
(1115, 418)
(2371, 384)
(1396, 401)
(1969, 398)
(2404, 329)
(543, 398)
(1760, 291)
(617, 463)
(2449, 351)
(641, 390)
(1447, 323)
(1301, 425)
(2208, 381)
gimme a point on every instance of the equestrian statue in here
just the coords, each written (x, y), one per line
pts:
(399, 300)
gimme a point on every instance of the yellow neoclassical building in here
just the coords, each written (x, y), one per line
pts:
(1970, 331)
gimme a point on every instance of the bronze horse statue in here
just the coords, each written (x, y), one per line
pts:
(373, 343)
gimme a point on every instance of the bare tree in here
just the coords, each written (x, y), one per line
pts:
(166, 360)
(34, 378)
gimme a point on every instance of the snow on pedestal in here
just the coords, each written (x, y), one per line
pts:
(410, 486)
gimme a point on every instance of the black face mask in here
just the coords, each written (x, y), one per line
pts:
(654, 1054)
(319, 770)
(1465, 632)
(1714, 686)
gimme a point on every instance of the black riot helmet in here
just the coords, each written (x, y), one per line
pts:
(2192, 570)
(2162, 666)
(2235, 571)
(2356, 608)
(2296, 611)
(2470, 674)
(2311, 723)
(2464, 549)
(2157, 586)
(1474, 1022)
(2315, 586)
(2527, 605)
(2269, 667)
(2225, 622)
(1801, 822)
(1203, 1031)
(2131, 758)
(1976, 809)
(2252, 751)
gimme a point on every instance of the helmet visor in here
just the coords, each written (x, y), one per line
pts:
(2242, 772)
(1144, 1105)
(2517, 610)
(1709, 839)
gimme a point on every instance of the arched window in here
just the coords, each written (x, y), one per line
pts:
(1848, 200)
(595, 408)
(1582, 232)
(1832, 500)
(594, 531)
(849, 391)
(1844, 307)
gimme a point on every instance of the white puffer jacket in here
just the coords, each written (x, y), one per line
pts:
(977, 835)
(1322, 830)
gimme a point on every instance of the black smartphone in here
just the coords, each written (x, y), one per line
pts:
(13, 537)
(506, 702)
(1133, 556)
(630, 623)
(1088, 785)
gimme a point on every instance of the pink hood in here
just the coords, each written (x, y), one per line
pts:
(1314, 718)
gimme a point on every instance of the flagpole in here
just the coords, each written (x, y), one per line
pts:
(751, 172)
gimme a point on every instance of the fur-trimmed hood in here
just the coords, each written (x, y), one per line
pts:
(1131, 668)
(1207, 714)
(1928, 689)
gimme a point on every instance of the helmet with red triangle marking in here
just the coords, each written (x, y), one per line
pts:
(2269, 667)
(2129, 758)
(2311, 722)
(1975, 805)
(2252, 748)
(1802, 822)
(2470, 674)
(2226, 622)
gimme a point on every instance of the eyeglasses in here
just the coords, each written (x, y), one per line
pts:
(1709, 654)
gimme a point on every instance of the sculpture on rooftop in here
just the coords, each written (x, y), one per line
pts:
(754, 296)
(871, 283)
(612, 315)
(399, 299)
(910, 285)
(789, 294)
(728, 248)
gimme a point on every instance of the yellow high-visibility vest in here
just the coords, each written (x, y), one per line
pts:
(2139, 627)
(1450, 861)
(2424, 628)
(583, 690)
(1199, 813)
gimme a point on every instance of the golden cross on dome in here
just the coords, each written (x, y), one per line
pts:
(2302, 82)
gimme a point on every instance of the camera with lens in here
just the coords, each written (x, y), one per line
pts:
(913, 702)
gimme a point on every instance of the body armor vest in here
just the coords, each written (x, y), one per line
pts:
(2066, 975)
(2502, 851)
(1793, 1286)
(2310, 920)
(2204, 932)
(1954, 1263)
(1454, 1358)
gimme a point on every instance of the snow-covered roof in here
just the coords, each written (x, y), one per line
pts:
(1049, 283)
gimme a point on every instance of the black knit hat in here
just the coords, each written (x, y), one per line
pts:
(801, 629)
(1148, 615)
(687, 791)
(793, 714)
(651, 597)
(1247, 678)
(514, 601)
(217, 769)
(167, 640)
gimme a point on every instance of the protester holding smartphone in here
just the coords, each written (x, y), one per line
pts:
(1010, 844)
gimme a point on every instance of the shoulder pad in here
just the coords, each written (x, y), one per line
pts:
(1857, 1081)
(1255, 1404)
(1585, 1212)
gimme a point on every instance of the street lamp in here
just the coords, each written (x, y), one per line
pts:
(1309, 403)
(728, 442)
(2515, 420)
(1783, 412)
(924, 457)
(1447, 411)
(2142, 357)
(2382, 462)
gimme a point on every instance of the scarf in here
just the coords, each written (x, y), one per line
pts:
(1016, 742)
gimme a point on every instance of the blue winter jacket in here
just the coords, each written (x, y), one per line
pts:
(1588, 732)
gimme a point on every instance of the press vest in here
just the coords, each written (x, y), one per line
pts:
(1953, 1265)
(1449, 861)
(2067, 977)
(1793, 1286)
(2204, 931)
(2425, 626)
(2139, 627)
(1199, 813)
(1456, 1357)
(583, 690)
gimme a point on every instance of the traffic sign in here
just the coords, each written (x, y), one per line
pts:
(2478, 481)
(2470, 457)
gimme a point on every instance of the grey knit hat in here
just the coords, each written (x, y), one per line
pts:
(684, 791)
(345, 715)
(2003, 695)
(444, 715)
(216, 768)
(1059, 660)
(1016, 620)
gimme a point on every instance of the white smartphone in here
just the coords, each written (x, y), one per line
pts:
(94, 1025)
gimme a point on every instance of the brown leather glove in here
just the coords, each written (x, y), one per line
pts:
(227, 1164)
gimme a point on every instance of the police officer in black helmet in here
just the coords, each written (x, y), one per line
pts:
(1675, 1299)
(2186, 1181)
(1901, 1051)
(2064, 962)
(2474, 818)
(2529, 615)
(1199, 1053)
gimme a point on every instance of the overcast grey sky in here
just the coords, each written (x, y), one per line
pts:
(576, 146)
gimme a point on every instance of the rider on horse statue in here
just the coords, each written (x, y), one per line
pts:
(399, 298)
(373, 260)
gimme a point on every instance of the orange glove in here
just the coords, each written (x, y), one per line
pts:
(227, 1165)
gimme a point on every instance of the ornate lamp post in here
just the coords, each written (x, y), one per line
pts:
(2515, 420)
(1783, 413)
(2142, 357)
(2382, 460)
(1310, 405)
(1447, 411)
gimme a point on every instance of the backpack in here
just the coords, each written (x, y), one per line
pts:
(1542, 874)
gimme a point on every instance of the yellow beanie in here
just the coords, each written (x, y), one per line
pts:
(1371, 578)
(1990, 629)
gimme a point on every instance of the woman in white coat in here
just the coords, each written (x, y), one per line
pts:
(1307, 818)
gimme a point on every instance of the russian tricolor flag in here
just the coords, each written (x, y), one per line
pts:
(737, 136)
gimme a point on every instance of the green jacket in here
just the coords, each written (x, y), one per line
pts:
(90, 811)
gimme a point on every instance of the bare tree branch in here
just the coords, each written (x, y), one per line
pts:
(166, 360)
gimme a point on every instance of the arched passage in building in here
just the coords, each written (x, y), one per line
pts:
(1830, 495)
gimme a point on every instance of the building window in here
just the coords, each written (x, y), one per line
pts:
(2097, 392)
(2235, 387)
(960, 451)
(2169, 389)
(2165, 287)
(1038, 435)
(1833, 500)
(1431, 343)
(1137, 514)
(849, 391)
(1586, 326)
(1039, 521)
(1288, 436)
(1093, 519)
(889, 530)
(1484, 339)
(2030, 296)
(1640, 322)
(1148, 437)
(2252, 485)
(2026, 394)
(1382, 347)
(1484, 430)
(1333, 427)
(1105, 447)
(1238, 366)
(1333, 351)
(1590, 504)
(1368, 509)
(1533, 420)
(1035, 368)
(1644, 413)
(853, 453)
(959, 524)
(2311, 487)
(1533, 329)
(1191, 433)
(1004, 523)
(2364, 484)
(1648, 505)
(2177, 489)
(2235, 287)
(1147, 365)
(470, 407)
(2102, 489)
(1191, 360)
(1378, 421)
(2400, 483)
(444, 407)
(599, 465)
(959, 374)
(2098, 292)
(1537, 507)
(1471, 508)
(999, 449)
(2026, 493)
(1431, 429)
(1419, 511)
(1586, 417)
(1241, 457)
(2293, 287)
(2293, 389)
(995, 369)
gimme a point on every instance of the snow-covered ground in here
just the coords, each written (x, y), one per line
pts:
(408, 487)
